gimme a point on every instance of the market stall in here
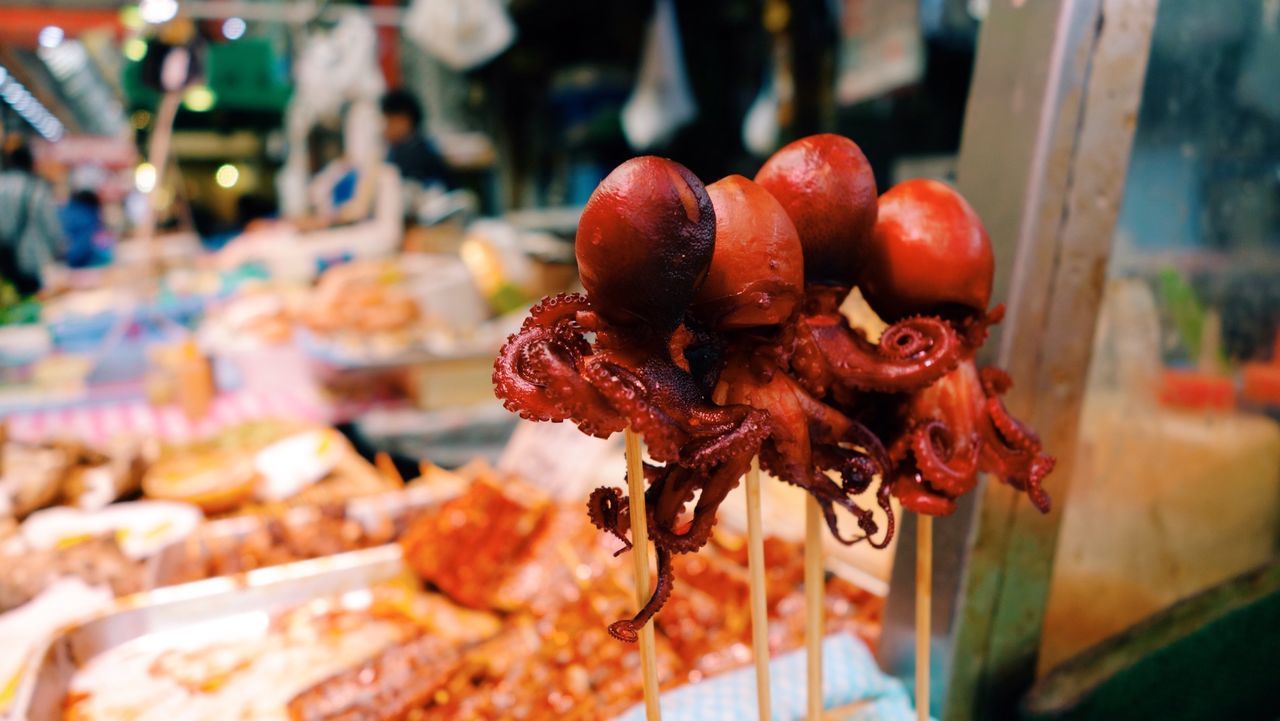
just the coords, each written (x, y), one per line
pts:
(496, 360)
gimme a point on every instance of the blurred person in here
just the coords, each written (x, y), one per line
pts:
(404, 129)
(354, 210)
(81, 219)
(341, 188)
(31, 237)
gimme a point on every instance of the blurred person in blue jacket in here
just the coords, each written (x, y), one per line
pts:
(82, 223)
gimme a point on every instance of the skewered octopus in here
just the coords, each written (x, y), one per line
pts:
(922, 259)
(711, 326)
(625, 354)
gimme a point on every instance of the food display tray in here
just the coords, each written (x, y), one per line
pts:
(42, 693)
(167, 567)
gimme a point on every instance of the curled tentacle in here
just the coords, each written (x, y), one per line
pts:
(947, 463)
(910, 490)
(869, 443)
(670, 490)
(628, 393)
(610, 511)
(883, 496)
(911, 354)
(537, 372)
(524, 366)
(864, 518)
(826, 492)
(1041, 466)
(722, 432)
(629, 629)
(669, 493)
(856, 470)
(1010, 447)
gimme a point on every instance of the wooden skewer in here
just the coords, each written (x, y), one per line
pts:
(814, 597)
(640, 552)
(924, 603)
(759, 606)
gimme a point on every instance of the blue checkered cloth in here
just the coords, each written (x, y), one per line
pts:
(849, 676)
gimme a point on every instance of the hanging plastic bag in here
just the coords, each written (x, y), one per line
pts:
(661, 102)
(461, 33)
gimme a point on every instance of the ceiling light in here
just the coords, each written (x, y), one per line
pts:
(198, 98)
(158, 11)
(233, 28)
(50, 36)
(144, 177)
(135, 49)
(227, 176)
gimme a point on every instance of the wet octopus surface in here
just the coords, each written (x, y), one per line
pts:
(711, 326)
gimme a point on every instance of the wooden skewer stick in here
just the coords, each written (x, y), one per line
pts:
(640, 552)
(759, 606)
(924, 604)
(814, 597)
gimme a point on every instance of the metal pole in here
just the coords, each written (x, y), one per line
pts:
(1050, 122)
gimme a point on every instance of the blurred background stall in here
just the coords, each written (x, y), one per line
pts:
(257, 258)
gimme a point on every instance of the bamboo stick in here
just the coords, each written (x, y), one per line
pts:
(640, 552)
(924, 604)
(759, 605)
(814, 596)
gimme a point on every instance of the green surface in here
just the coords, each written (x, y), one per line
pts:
(243, 75)
(1212, 657)
(15, 309)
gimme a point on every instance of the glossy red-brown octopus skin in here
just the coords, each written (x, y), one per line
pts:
(930, 253)
(619, 356)
(826, 186)
(649, 214)
(756, 276)
(754, 286)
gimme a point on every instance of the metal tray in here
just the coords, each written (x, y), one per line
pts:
(169, 565)
(41, 693)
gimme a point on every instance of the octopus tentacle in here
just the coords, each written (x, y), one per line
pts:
(628, 630)
(610, 511)
(723, 432)
(948, 464)
(883, 496)
(975, 328)
(910, 490)
(828, 500)
(911, 354)
(1041, 466)
(628, 394)
(826, 492)
(522, 371)
(1012, 448)
(536, 372)
(1012, 432)
(869, 443)
(667, 497)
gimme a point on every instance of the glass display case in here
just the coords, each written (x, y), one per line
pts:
(1177, 476)
(1125, 155)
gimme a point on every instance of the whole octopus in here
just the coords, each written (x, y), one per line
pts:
(712, 327)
